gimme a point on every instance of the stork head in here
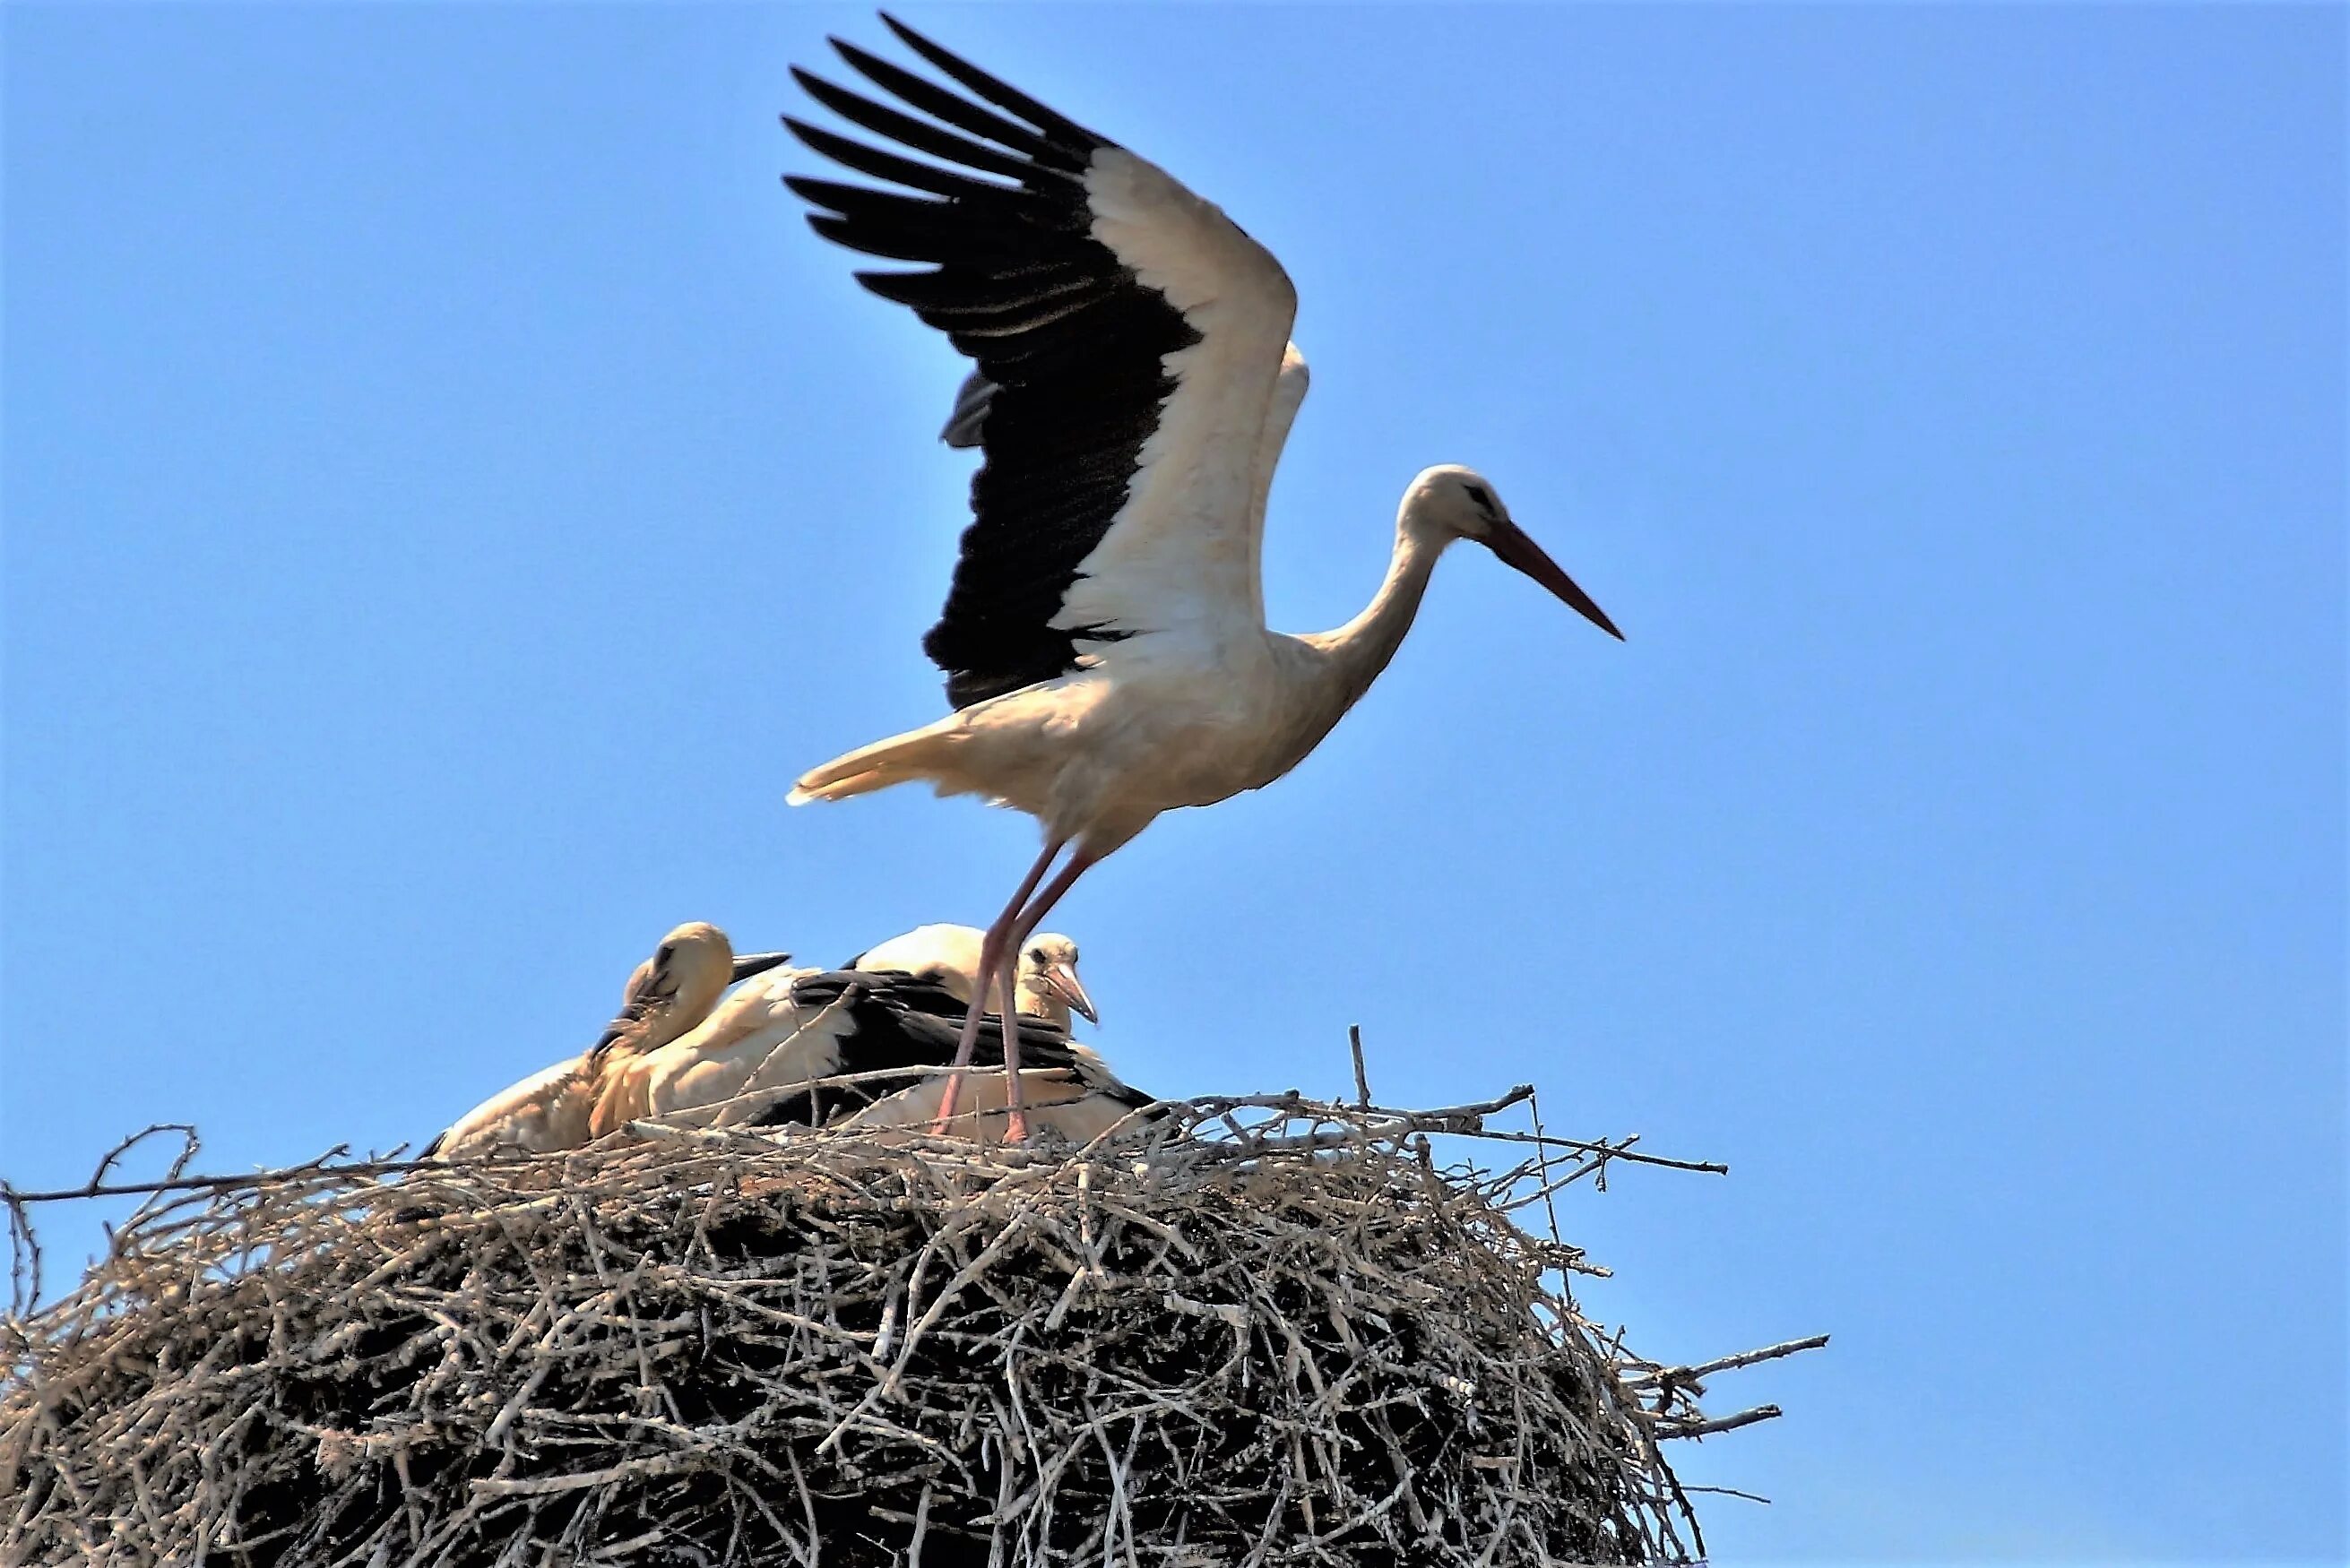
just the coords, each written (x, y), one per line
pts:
(1048, 986)
(1044, 983)
(1462, 504)
(687, 974)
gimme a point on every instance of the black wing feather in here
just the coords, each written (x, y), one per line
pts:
(899, 1022)
(855, 155)
(960, 112)
(1072, 342)
(920, 135)
(1001, 94)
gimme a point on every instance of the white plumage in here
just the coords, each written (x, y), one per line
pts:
(1104, 640)
(546, 1111)
(1080, 1102)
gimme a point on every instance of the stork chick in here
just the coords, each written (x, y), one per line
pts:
(1044, 983)
(668, 994)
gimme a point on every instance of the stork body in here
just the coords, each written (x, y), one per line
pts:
(1081, 1101)
(1104, 640)
(546, 1111)
(668, 994)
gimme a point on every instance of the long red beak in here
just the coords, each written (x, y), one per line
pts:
(1509, 543)
(1061, 979)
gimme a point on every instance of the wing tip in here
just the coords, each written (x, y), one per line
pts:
(853, 56)
(994, 89)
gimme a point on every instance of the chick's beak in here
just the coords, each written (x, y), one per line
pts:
(1509, 542)
(1061, 979)
(748, 965)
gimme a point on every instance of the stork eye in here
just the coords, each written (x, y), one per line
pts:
(1036, 955)
(662, 956)
(1482, 496)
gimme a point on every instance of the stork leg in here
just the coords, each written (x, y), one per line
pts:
(1015, 1125)
(992, 947)
(1007, 977)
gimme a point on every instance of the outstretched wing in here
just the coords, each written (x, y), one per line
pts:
(1130, 332)
(968, 421)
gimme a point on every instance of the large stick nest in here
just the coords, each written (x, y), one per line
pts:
(1297, 1341)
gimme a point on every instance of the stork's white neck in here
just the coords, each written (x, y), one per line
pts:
(1355, 653)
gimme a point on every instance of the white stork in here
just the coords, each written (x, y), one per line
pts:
(882, 1013)
(1104, 641)
(667, 995)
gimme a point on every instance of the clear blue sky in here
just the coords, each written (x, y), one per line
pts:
(448, 495)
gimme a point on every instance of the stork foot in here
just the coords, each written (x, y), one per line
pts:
(947, 1103)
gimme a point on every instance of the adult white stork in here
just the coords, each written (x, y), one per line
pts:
(793, 1027)
(1104, 641)
(667, 995)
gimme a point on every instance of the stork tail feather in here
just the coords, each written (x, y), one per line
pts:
(896, 761)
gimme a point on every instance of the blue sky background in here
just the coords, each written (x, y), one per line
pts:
(448, 495)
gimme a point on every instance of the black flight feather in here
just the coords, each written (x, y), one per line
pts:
(1069, 338)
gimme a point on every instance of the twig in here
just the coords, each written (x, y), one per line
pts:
(226, 1183)
(1608, 1150)
(24, 1255)
(190, 1144)
(1685, 1376)
(1720, 1424)
(1542, 1153)
(1362, 1076)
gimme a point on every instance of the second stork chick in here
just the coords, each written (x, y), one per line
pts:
(1067, 1088)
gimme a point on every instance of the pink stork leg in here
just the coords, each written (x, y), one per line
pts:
(997, 943)
(1015, 1122)
(1006, 981)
